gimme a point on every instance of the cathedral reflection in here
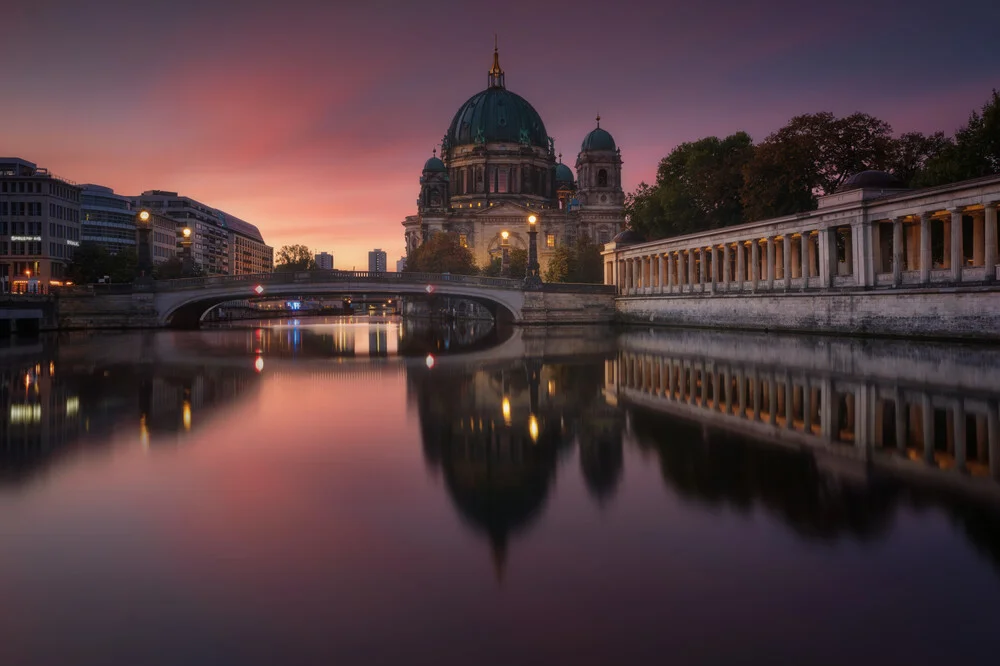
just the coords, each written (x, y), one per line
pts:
(497, 435)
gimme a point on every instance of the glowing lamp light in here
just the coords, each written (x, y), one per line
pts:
(505, 234)
(429, 361)
(505, 408)
(258, 365)
(533, 427)
(187, 232)
(259, 289)
(187, 415)
(144, 216)
(532, 219)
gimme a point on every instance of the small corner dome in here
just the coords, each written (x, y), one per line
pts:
(598, 139)
(628, 236)
(873, 179)
(564, 174)
(434, 164)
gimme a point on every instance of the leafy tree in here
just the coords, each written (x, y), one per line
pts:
(697, 188)
(294, 258)
(912, 151)
(92, 262)
(580, 262)
(975, 152)
(810, 156)
(441, 253)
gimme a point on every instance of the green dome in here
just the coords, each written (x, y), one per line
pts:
(497, 115)
(563, 173)
(598, 139)
(434, 164)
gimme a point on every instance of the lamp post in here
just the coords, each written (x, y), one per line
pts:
(144, 258)
(187, 263)
(504, 254)
(531, 278)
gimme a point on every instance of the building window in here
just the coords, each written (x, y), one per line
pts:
(502, 181)
(550, 240)
(602, 178)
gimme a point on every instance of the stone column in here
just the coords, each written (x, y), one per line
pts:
(727, 273)
(661, 272)
(957, 255)
(926, 259)
(681, 271)
(702, 268)
(787, 256)
(714, 254)
(614, 276)
(990, 239)
(692, 270)
(827, 257)
(804, 256)
(754, 264)
(741, 265)
(897, 251)
(770, 263)
(671, 267)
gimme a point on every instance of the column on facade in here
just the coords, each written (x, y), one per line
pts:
(957, 256)
(754, 264)
(804, 257)
(769, 276)
(990, 240)
(682, 275)
(727, 272)
(702, 268)
(741, 264)
(671, 277)
(897, 251)
(692, 270)
(926, 258)
(661, 272)
(787, 260)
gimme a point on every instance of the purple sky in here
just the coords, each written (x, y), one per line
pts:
(312, 120)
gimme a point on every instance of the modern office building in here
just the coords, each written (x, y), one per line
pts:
(324, 261)
(39, 226)
(107, 219)
(401, 265)
(222, 244)
(376, 261)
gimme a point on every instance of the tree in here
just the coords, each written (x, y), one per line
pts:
(975, 152)
(912, 152)
(580, 262)
(811, 156)
(441, 253)
(697, 187)
(92, 262)
(294, 258)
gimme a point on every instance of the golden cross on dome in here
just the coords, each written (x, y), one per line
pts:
(598, 120)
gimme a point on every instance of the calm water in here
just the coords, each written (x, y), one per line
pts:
(369, 492)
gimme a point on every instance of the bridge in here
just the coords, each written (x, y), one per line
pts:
(183, 303)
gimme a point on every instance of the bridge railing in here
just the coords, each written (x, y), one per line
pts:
(324, 276)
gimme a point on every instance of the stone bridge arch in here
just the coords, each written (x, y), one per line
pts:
(183, 303)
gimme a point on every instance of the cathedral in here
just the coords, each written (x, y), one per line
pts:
(498, 166)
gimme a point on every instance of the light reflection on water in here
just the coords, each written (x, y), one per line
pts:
(318, 490)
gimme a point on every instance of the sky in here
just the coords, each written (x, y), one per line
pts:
(312, 120)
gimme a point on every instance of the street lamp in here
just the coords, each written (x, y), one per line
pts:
(144, 251)
(504, 254)
(531, 278)
(187, 263)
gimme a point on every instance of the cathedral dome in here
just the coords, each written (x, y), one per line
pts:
(434, 164)
(872, 178)
(598, 139)
(497, 115)
(564, 174)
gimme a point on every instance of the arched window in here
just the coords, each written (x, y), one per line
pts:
(602, 178)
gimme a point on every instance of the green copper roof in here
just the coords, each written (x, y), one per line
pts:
(434, 164)
(598, 139)
(563, 173)
(497, 115)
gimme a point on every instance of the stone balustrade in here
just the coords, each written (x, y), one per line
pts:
(862, 239)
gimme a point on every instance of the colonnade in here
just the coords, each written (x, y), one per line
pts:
(937, 427)
(953, 245)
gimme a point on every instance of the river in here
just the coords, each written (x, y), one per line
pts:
(374, 491)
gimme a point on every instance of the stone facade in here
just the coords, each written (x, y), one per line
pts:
(498, 166)
(868, 260)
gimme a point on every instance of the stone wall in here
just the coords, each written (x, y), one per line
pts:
(106, 311)
(972, 313)
(558, 306)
